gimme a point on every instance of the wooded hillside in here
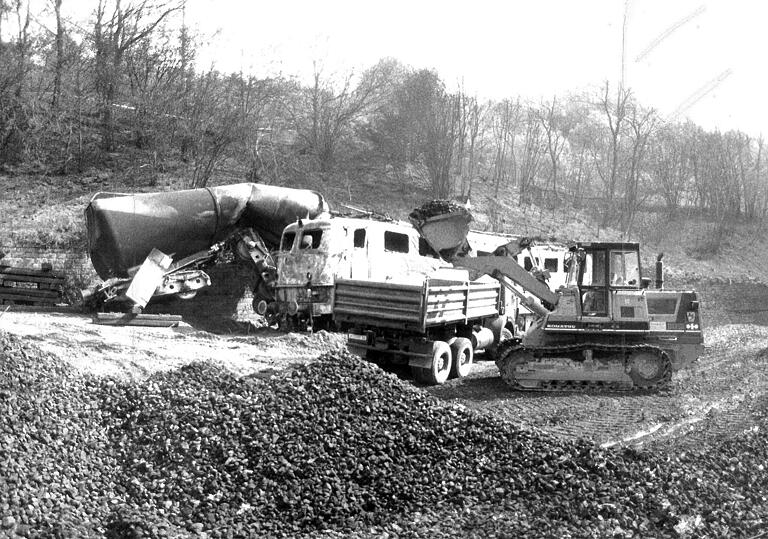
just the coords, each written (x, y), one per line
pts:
(78, 93)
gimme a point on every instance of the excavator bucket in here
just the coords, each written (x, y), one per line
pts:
(443, 224)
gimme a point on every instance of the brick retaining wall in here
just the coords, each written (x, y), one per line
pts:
(62, 260)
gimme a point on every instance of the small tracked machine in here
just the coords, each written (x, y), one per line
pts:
(605, 328)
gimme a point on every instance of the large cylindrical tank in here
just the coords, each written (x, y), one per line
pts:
(123, 229)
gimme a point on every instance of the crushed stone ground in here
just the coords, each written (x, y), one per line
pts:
(73, 380)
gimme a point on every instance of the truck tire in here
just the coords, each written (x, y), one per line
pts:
(463, 356)
(440, 369)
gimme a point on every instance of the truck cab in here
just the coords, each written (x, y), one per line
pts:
(314, 253)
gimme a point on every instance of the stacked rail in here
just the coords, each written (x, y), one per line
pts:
(25, 286)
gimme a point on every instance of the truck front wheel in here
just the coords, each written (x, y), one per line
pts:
(440, 369)
(463, 356)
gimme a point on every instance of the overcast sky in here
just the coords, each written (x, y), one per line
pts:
(700, 58)
(704, 59)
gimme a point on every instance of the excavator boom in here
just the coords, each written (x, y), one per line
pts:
(508, 268)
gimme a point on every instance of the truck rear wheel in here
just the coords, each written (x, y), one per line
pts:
(440, 368)
(463, 356)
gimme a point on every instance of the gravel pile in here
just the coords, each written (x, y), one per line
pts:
(339, 448)
(56, 473)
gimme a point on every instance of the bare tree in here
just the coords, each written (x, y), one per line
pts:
(59, 67)
(330, 111)
(153, 80)
(530, 156)
(419, 124)
(504, 124)
(15, 65)
(641, 124)
(114, 35)
(474, 123)
(556, 128)
(669, 165)
(759, 177)
(22, 44)
(607, 153)
(440, 136)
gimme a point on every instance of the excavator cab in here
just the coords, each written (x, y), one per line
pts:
(602, 273)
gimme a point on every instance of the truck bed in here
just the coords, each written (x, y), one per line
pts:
(414, 307)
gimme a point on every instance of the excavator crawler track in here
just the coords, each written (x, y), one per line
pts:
(620, 367)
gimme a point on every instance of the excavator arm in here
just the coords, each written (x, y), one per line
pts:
(447, 234)
(510, 273)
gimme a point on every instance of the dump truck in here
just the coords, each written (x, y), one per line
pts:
(435, 327)
(604, 328)
(315, 253)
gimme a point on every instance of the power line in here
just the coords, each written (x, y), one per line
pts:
(666, 33)
(699, 94)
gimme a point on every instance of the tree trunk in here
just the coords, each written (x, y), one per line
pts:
(59, 55)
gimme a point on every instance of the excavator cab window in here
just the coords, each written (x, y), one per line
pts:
(594, 292)
(625, 269)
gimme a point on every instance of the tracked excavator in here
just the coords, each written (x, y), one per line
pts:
(605, 328)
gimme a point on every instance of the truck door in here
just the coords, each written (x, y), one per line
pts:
(359, 266)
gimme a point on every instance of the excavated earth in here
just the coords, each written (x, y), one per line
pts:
(178, 432)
